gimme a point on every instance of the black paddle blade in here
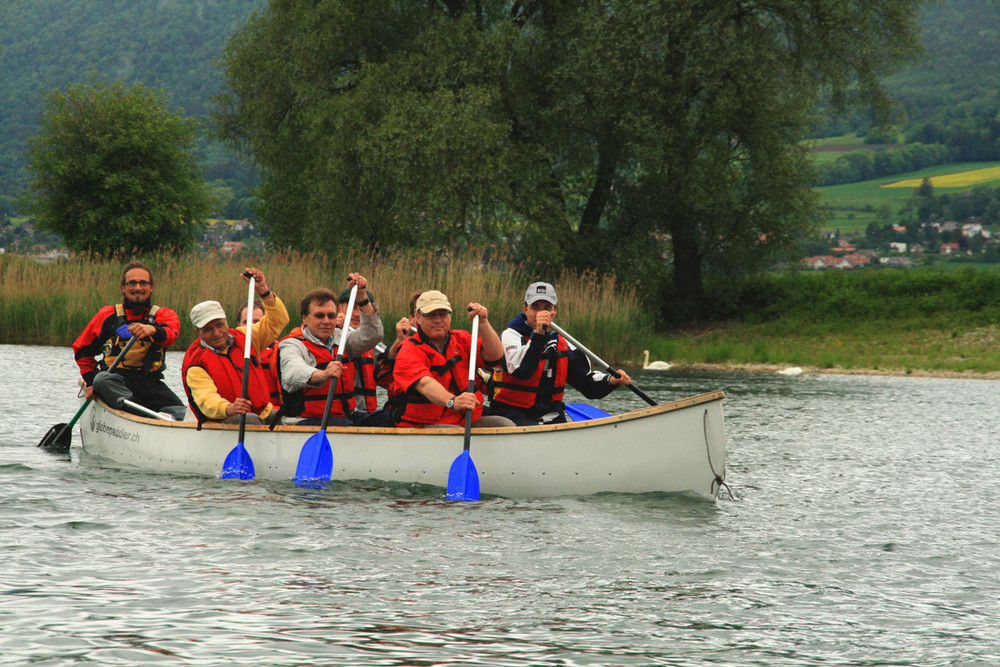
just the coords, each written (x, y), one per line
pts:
(58, 439)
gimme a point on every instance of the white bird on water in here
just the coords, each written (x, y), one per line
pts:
(794, 370)
(655, 365)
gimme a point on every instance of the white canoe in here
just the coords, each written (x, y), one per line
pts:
(673, 447)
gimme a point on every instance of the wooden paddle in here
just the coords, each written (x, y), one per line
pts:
(463, 479)
(238, 464)
(316, 458)
(60, 436)
(607, 366)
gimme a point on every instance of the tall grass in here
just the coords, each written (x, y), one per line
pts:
(49, 304)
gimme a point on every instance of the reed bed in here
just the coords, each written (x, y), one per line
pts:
(49, 304)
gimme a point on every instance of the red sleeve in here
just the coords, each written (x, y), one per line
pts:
(89, 345)
(411, 365)
(171, 327)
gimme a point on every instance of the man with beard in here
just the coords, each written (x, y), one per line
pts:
(139, 375)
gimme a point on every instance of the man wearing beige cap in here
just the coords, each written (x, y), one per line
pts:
(539, 363)
(432, 367)
(212, 370)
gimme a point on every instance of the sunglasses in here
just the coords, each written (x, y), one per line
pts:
(320, 316)
(137, 283)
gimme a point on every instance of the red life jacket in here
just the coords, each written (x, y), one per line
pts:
(269, 364)
(310, 401)
(524, 393)
(364, 366)
(226, 371)
(450, 369)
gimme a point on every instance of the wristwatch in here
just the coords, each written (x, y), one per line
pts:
(451, 403)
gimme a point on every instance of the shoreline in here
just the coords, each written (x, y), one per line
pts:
(900, 372)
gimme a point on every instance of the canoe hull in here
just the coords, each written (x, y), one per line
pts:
(674, 447)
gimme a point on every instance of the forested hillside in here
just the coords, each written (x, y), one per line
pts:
(951, 97)
(173, 45)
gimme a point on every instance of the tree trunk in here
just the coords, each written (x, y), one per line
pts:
(688, 287)
(608, 152)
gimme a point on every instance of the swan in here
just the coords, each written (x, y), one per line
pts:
(794, 370)
(655, 365)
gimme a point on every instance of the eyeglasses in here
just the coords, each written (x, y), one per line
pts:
(320, 316)
(137, 283)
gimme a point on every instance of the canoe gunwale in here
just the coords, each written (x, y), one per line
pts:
(640, 413)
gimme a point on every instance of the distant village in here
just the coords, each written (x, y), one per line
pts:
(888, 245)
(905, 246)
(227, 238)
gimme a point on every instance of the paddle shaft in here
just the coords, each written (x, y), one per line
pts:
(638, 392)
(472, 380)
(340, 355)
(79, 413)
(246, 357)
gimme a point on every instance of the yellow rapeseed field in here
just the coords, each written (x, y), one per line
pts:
(962, 179)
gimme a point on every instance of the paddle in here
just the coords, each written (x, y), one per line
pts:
(463, 480)
(60, 436)
(607, 366)
(152, 414)
(316, 458)
(238, 464)
(580, 412)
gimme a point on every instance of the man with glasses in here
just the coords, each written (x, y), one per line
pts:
(307, 357)
(432, 367)
(540, 363)
(139, 376)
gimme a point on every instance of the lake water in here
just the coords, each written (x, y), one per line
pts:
(863, 531)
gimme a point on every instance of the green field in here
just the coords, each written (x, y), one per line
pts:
(853, 205)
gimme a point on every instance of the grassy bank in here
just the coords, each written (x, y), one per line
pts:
(916, 321)
(49, 304)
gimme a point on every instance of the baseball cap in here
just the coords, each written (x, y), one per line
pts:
(345, 295)
(539, 292)
(432, 300)
(205, 312)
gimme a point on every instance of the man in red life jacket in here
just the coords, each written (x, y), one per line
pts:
(366, 410)
(432, 367)
(307, 357)
(212, 371)
(539, 365)
(139, 376)
(271, 316)
(385, 361)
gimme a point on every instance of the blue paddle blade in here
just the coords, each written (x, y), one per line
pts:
(238, 464)
(579, 412)
(315, 460)
(463, 480)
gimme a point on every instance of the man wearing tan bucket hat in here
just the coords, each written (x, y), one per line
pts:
(432, 367)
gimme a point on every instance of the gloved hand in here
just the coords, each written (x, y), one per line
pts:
(123, 332)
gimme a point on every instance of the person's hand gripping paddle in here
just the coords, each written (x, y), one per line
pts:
(463, 479)
(238, 464)
(316, 458)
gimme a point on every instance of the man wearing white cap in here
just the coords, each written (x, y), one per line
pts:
(540, 363)
(432, 367)
(212, 370)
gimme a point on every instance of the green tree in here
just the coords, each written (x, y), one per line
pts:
(112, 172)
(586, 131)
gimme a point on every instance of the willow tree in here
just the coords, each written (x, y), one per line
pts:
(601, 133)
